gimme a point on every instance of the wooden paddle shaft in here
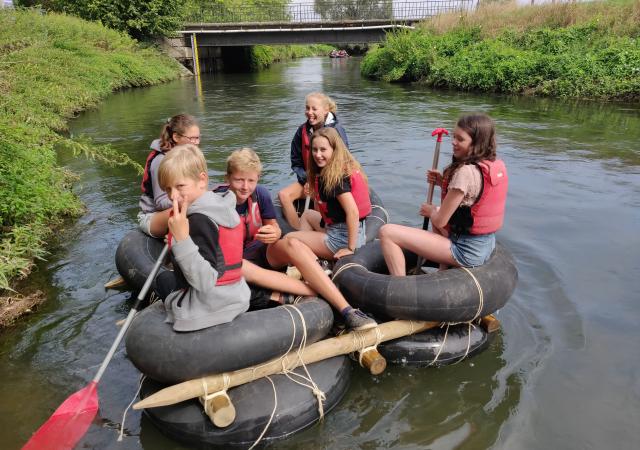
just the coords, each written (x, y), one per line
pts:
(328, 348)
(434, 166)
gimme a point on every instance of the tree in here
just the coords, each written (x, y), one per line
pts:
(140, 18)
(354, 9)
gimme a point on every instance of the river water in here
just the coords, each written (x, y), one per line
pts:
(564, 372)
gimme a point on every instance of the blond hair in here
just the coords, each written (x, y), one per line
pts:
(243, 160)
(183, 161)
(327, 101)
(341, 164)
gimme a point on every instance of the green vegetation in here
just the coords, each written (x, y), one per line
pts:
(582, 50)
(222, 11)
(142, 19)
(52, 66)
(264, 55)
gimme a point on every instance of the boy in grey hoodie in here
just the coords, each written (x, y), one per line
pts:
(205, 236)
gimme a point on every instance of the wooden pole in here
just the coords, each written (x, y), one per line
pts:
(374, 361)
(328, 348)
(219, 409)
(490, 324)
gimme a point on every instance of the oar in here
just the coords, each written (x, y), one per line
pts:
(436, 154)
(307, 201)
(71, 420)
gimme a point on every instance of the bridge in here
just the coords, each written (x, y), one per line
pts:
(321, 22)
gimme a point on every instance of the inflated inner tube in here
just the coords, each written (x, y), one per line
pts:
(135, 257)
(297, 408)
(447, 296)
(437, 346)
(251, 338)
(373, 222)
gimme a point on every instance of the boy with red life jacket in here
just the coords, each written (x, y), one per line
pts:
(320, 111)
(474, 193)
(265, 251)
(206, 236)
(261, 231)
(154, 203)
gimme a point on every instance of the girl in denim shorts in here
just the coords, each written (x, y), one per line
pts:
(474, 190)
(341, 199)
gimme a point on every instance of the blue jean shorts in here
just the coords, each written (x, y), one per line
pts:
(472, 250)
(338, 236)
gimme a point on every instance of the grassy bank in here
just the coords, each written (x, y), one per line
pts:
(264, 55)
(52, 66)
(582, 50)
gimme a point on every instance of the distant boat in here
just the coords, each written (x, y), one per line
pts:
(338, 54)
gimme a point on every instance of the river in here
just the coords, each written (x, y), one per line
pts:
(562, 373)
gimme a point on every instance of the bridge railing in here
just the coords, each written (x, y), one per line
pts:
(326, 10)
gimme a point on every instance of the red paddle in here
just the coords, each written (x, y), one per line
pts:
(425, 225)
(70, 421)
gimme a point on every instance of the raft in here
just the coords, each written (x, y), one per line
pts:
(373, 222)
(135, 256)
(251, 338)
(436, 347)
(447, 296)
(297, 408)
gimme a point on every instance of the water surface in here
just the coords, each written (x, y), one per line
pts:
(564, 372)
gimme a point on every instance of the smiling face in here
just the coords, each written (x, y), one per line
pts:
(243, 183)
(316, 111)
(461, 143)
(321, 150)
(187, 189)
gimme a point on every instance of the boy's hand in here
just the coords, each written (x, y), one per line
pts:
(268, 234)
(178, 222)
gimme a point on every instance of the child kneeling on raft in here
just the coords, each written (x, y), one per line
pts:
(266, 251)
(205, 236)
(474, 193)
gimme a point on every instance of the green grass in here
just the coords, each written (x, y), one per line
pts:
(263, 56)
(51, 67)
(588, 50)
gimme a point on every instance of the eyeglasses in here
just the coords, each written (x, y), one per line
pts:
(192, 139)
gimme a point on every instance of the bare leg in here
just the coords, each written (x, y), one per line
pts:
(287, 196)
(310, 221)
(273, 280)
(315, 241)
(292, 251)
(431, 246)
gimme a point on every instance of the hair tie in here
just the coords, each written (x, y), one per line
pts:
(168, 120)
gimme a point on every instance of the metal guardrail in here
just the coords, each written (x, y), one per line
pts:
(327, 10)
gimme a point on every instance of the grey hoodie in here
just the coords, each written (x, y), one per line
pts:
(205, 304)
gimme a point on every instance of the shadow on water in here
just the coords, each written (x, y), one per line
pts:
(574, 172)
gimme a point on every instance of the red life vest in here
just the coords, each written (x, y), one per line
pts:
(147, 186)
(360, 192)
(228, 250)
(486, 215)
(306, 146)
(251, 219)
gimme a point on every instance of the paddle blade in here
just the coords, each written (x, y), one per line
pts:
(68, 423)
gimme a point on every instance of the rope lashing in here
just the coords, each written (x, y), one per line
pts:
(386, 214)
(364, 350)
(273, 413)
(124, 414)
(480, 294)
(345, 267)
(222, 393)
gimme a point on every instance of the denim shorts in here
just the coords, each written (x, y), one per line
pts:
(338, 236)
(472, 250)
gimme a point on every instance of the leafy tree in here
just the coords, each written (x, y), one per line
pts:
(354, 9)
(237, 10)
(140, 18)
